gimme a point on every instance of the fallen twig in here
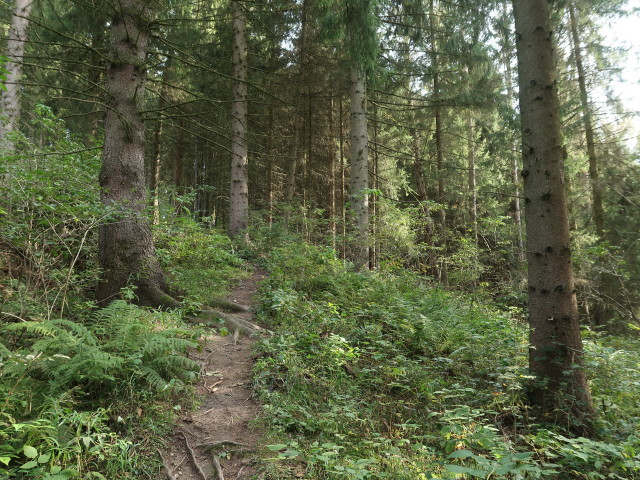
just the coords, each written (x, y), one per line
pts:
(212, 388)
(193, 457)
(205, 412)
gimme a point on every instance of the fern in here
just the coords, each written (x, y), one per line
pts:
(154, 379)
(122, 344)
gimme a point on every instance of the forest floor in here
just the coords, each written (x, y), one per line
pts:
(219, 437)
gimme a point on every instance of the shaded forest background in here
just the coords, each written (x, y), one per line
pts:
(445, 180)
(433, 195)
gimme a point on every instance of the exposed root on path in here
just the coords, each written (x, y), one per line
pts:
(194, 458)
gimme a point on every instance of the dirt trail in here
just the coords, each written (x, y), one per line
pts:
(227, 410)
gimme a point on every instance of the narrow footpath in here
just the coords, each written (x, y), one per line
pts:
(218, 440)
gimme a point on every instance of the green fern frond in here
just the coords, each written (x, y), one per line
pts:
(4, 351)
(176, 365)
(154, 379)
(159, 344)
(81, 332)
(47, 329)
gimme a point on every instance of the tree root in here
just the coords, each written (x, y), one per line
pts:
(193, 457)
(228, 306)
(232, 322)
(218, 443)
(216, 464)
(166, 467)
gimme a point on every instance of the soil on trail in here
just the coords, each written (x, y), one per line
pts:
(220, 431)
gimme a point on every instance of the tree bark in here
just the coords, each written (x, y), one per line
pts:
(556, 355)
(239, 195)
(126, 251)
(10, 98)
(359, 168)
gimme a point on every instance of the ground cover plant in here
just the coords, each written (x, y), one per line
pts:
(88, 392)
(380, 375)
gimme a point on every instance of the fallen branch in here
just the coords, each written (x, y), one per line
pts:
(193, 457)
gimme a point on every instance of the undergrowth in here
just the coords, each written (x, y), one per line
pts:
(382, 376)
(88, 392)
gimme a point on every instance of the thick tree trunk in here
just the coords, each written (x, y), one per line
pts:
(359, 169)
(10, 98)
(561, 389)
(239, 195)
(126, 251)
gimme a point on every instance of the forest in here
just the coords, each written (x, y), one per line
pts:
(405, 232)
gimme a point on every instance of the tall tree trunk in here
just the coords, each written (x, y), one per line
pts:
(157, 144)
(515, 171)
(594, 177)
(178, 167)
(359, 168)
(423, 198)
(374, 254)
(239, 195)
(10, 98)
(343, 206)
(334, 153)
(556, 355)
(293, 165)
(155, 174)
(471, 184)
(442, 212)
(601, 313)
(269, 168)
(157, 150)
(126, 251)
